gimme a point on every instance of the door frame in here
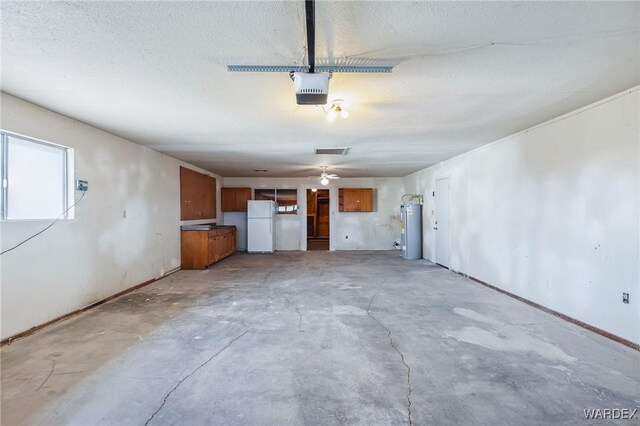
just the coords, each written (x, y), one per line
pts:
(435, 236)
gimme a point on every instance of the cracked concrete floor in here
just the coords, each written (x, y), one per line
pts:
(315, 338)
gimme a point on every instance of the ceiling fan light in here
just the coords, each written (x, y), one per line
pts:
(344, 113)
(331, 115)
(324, 181)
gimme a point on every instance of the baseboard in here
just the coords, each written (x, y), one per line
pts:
(32, 330)
(579, 323)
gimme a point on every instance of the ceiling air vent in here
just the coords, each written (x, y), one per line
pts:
(331, 151)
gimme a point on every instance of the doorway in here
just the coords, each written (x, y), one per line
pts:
(318, 222)
(443, 234)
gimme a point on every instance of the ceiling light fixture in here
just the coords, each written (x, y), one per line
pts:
(337, 107)
(325, 177)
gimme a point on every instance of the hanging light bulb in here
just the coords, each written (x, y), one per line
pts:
(314, 189)
(336, 108)
(324, 181)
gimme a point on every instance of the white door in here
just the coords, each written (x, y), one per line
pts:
(260, 209)
(260, 236)
(443, 234)
(273, 233)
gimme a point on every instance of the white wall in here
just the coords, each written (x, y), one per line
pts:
(239, 219)
(552, 213)
(366, 231)
(100, 252)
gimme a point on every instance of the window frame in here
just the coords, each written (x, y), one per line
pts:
(296, 205)
(275, 198)
(68, 212)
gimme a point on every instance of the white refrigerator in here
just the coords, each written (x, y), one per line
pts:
(261, 226)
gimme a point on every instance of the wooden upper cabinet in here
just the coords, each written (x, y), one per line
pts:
(235, 199)
(366, 200)
(355, 199)
(197, 195)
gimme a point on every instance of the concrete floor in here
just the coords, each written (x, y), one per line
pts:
(315, 338)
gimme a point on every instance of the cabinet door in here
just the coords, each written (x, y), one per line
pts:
(197, 195)
(208, 194)
(227, 245)
(212, 250)
(235, 199)
(244, 195)
(221, 244)
(356, 199)
(222, 247)
(350, 199)
(366, 200)
(232, 237)
(228, 198)
(188, 194)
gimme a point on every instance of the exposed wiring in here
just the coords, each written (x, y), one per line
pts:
(304, 53)
(302, 27)
(561, 39)
(47, 227)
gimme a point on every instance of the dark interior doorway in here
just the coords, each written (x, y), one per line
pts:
(318, 222)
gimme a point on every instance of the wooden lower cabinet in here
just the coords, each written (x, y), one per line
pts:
(201, 249)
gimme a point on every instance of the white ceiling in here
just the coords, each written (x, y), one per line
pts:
(467, 74)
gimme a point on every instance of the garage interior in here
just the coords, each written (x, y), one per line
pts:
(299, 212)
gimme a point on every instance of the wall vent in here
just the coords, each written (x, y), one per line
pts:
(331, 151)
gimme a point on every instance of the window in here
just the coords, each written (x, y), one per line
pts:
(265, 194)
(287, 199)
(36, 179)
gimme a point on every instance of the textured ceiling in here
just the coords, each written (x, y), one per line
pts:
(467, 74)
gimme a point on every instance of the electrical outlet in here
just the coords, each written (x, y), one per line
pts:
(625, 297)
(82, 185)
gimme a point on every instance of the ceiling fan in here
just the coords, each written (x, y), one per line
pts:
(324, 176)
(311, 82)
